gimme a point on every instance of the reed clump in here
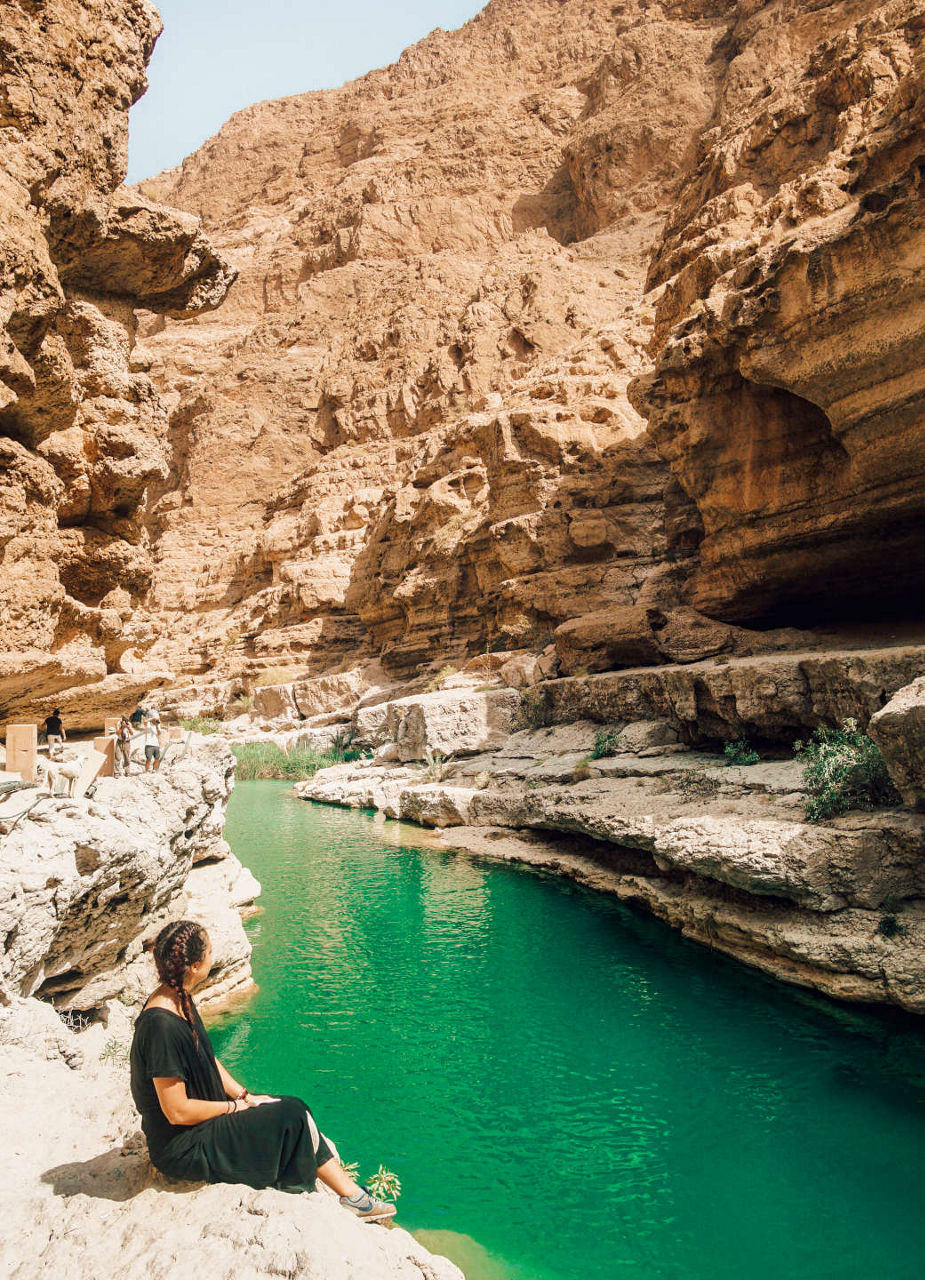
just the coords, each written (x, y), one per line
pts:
(260, 760)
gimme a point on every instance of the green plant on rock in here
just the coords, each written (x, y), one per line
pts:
(115, 1052)
(342, 749)
(384, 1184)
(582, 770)
(533, 709)
(202, 724)
(891, 927)
(435, 765)
(740, 753)
(606, 743)
(843, 769)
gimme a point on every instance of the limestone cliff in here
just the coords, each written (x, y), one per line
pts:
(418, 427)
(81, 426)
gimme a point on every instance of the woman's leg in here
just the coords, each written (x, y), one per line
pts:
(333, 1176)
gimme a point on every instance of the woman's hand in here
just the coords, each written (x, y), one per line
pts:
(259, 1099)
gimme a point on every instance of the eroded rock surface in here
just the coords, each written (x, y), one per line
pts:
(436, 372)
(82, 429)
(82, 882)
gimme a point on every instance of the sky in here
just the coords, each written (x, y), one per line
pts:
(217, 56)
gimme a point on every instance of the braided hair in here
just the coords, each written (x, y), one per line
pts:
(176, 948)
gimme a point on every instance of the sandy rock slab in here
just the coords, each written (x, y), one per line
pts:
(79, 1196)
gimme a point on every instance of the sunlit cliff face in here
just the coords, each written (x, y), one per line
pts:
(81, 425)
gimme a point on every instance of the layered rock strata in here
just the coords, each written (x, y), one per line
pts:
(724, 853)
(82, 430)
(437, 370)
(82, 882)
(422, 371)
(78, 1194)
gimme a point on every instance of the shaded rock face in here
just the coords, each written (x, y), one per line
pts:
(81, 425)
(788, 389)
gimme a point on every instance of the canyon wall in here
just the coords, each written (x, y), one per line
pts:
(579, 308)
(82, 430)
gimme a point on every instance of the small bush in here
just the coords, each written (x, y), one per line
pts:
(890, 927)
(843, 769)
(435, 765)
(606, 742)
(533, 709)
(115, 1051)
(203, 724)
(384, 1184)
(693, 784)
(436, 681)
(582, 771)
(740, 753)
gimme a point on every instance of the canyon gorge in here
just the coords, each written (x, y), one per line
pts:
(562, 379)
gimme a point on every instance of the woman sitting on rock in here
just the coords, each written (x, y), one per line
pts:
(200, 1124)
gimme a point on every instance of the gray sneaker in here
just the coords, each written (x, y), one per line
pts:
(367, 1207)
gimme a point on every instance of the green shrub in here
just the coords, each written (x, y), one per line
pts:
(115, 1051)
(740, 753)
(533, 709)
(384, 1184)
(890, 927)
(203, 724)
(606, 742)
(582, 771)
(843, 769)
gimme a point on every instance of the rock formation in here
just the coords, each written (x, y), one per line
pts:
(84, 881)
(82, 431)
(605, 779)
(408, 432)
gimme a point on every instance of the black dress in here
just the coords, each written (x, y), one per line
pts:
(273, 1145)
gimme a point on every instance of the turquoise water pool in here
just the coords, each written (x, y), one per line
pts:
(568, 1091)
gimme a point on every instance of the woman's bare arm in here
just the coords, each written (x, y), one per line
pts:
(229, 1084)
(179, 1108)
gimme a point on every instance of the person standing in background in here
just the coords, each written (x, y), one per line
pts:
(54, 732)
(123, 747)
(152, 742)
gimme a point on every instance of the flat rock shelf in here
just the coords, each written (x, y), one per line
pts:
(567, 1088)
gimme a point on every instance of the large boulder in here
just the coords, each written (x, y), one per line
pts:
(606, 639)
(899, 732)
(449, 722)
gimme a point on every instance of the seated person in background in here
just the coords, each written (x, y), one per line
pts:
(54, 732)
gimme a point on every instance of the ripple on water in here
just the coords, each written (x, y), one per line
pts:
(571, 1086)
